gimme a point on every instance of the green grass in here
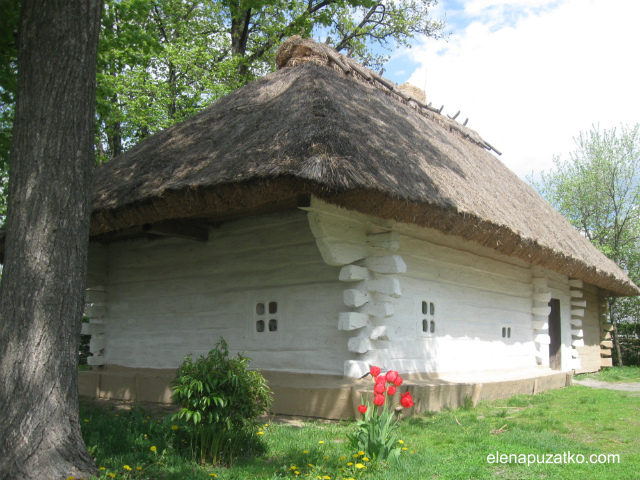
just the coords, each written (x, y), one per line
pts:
(614, 374)
(452, 444)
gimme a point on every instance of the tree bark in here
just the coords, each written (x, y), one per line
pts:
(43, 282)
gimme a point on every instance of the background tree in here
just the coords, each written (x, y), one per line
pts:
(598, 190)
(9, 10)
(162, 61)
(43, 282)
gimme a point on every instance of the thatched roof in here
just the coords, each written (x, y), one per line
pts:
(319, 126)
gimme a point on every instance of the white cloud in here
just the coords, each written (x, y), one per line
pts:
(530, 85)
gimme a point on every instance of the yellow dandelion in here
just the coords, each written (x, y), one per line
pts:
(266, 424)
(145, 435)
(139, 469)
(127, 468)
(297, 472)
(404, 448)
(365, 459)
(355, 455)
(71, 478)
(360, 452)
(311, 465)
(86, 420)
(213, 475)
(305, 451)
(260, 433)
(400, 441)
(153, 449)
(343, 458)
(412, 452)
(349, 464)
(326, 458)
(101, 468)
(174, 427)
(321, 442)
(112, 475)
(359, 466)
(326, 477)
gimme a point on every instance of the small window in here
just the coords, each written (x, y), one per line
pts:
(425, 308)
(509, 332)
(432, 309)
(425, 326)
(432, 326)
(260, 326)
(260, 309)
(504, 332)
(273, 325)
(273, 307)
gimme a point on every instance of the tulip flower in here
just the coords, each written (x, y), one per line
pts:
(398, 381)
(378, 399)
(375, 371)
(381, 379)
(362, 409)
(406, 401)
(391, 376)
(379, 388)
(391, 391)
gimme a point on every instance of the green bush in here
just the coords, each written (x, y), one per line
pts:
(221, 401)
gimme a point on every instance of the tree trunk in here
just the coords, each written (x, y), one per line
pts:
(43, 282)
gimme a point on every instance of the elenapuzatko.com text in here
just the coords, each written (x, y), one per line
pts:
(556, 458)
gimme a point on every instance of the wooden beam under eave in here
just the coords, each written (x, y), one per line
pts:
(187, 229)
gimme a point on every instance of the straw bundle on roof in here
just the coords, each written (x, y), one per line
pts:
(345, 136)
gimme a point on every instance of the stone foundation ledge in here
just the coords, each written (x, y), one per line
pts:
(328, 396)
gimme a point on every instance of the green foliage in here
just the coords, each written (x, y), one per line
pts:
(221, 401)
(9, 11)
(161, 62)
(598, 190)
(375, 433)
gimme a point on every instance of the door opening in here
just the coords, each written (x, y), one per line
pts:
(555, 347)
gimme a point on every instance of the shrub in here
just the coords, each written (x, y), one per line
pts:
(221, 401)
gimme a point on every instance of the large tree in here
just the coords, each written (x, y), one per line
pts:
(43, 281)
(598, 190)
(162, 61)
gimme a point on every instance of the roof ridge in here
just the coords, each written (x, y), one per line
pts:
(297, 50)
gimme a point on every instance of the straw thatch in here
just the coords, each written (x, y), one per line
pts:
(352, 141)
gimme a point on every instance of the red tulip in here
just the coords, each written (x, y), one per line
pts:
(362, 409)
(398, 381)
(381, 379)
(379, 388)
(375, 371)
(378, 399)
(391, 376)
(391, 391)
(406, 401)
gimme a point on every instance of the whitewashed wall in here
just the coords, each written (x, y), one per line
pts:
(475, 292)
(474, 298)
(171, 297)
(162, 299)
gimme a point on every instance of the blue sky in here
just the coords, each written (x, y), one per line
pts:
(531, 74)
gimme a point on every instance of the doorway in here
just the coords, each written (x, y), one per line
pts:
(555, 346)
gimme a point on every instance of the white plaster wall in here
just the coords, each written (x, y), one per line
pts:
(171, 297)
(474, 296)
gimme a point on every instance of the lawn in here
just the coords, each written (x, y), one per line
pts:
(614, 374)
(455, 444)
